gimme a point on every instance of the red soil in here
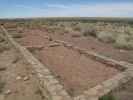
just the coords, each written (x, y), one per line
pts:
(75, 71)
(88, 43)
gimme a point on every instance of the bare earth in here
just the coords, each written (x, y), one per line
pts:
(19, 79)
(89, 43)
(75, 71)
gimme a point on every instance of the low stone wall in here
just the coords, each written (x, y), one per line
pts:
(108, 85)
(51, 87)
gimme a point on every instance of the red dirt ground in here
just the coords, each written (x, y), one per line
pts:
(16, 86)
(89, 43)
(75, 71)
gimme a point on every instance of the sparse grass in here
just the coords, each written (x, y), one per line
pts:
(89, 32)
(124, 41)
(115, 33)
(106, 31)
(77, 28)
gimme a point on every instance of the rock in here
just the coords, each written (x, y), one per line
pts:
(33, 72)
(122, 51)
(26, 78)
(18, 78)
(7, 92)
(54, 45)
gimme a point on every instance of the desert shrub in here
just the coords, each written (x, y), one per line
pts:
(107, 37)
(61, 25)
(108, 97)
(89, 32)
(76, 28)
(73, 24)
(56, 29)
(124, 41)
(66, 31)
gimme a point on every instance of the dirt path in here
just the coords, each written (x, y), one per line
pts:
(17, 79)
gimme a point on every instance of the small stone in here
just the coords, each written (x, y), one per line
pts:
(122, 51)
(18, 78)
(7, 92)
(54, 45)
(26, 78)
(33, 72)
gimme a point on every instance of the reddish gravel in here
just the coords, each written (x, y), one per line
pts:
(75, 71)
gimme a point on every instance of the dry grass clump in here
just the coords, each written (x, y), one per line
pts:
(124, 41)
(89, 32)
(119, 40)
(53, 29)
(74, 24)
(76, 28)
(57, 29)
(107, 37)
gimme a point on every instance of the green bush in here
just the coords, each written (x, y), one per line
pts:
(108, 97)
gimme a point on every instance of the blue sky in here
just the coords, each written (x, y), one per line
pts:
(63, 8)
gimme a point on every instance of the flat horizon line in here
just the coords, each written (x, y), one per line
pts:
(64, 17)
